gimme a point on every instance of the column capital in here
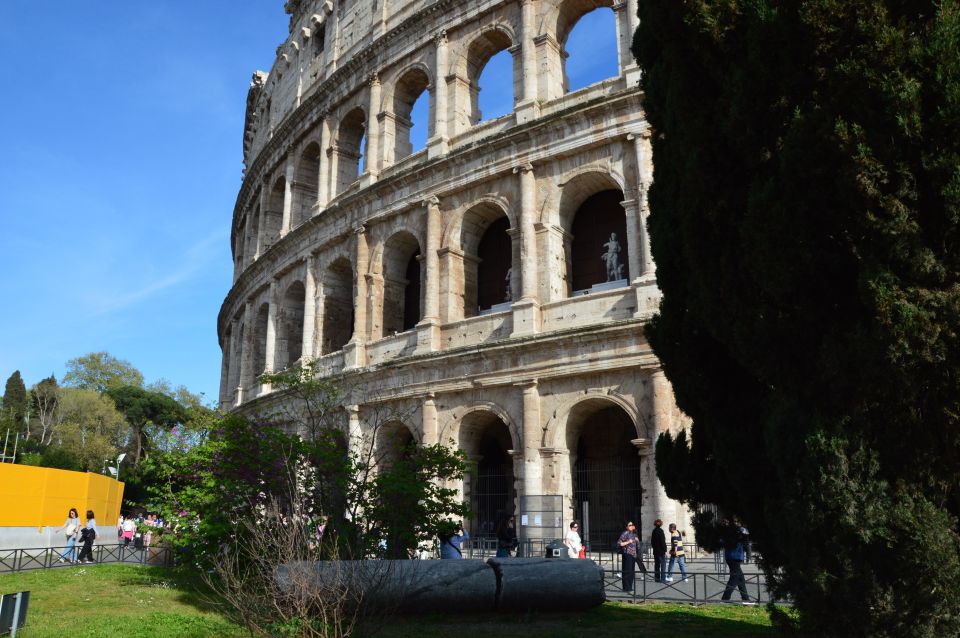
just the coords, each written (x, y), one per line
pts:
(433, 200)
(373, 79)
(352, 409)
(527, 384)
(643, 134)
(360, 230)
(440, 37)
(525, 167)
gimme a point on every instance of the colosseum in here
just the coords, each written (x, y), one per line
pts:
(493, 284)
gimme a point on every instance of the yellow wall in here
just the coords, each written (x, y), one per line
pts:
(37, 496)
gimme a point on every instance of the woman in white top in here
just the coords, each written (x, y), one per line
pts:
(70, 528)
(572, 541)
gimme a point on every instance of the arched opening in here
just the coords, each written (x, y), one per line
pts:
(394, 441)
(412, 299)
(235, 379)
(488, 259)
(489, 484)
(260, 341)
(306, 184)
(226, 348)
(411, 106)
(273, 216)
(337, 306)
(239, 244)
(290, 328)
(595, 246)
(605, 471)
(491, 74)
(401, 283)
(349, 149)
(590, 48)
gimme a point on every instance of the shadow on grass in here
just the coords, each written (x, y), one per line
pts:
(191, 590)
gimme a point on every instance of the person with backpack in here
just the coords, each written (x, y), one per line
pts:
(658, 541)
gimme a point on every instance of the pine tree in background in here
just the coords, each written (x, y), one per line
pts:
(805, 222)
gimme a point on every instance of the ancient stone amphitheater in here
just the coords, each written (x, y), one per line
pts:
(492, 285)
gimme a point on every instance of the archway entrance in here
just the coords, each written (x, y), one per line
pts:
(605, 470)
(489, 484)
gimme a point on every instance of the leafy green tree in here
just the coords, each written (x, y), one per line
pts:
(15, 401)
(100, 371)
(143, 409)
(805, 220)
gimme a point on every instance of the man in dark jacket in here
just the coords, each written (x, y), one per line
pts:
(733, 538)
(658, 541)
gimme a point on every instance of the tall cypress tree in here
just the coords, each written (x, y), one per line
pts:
(15, 399)
(805, 221)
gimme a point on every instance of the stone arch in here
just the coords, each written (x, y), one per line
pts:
(490, 484)
(487, 249)
(604, 468)
(290, 325)
(306, 184)
(391, 441)
(565, 15)
(476, 55)
(600, 56)
(402, 306)
(412, 83)
(348, 148)
(337, 299)
(590, 212)
(555, 429)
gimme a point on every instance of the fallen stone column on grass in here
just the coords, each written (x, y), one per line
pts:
(456, 586)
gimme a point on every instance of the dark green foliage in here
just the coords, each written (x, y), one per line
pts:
(15, 402)
(805, 223)
(144, 408)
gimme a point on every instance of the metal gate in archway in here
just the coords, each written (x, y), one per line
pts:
(611, 488)
(491, 498)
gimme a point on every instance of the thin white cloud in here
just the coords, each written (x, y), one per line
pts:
(194, 259)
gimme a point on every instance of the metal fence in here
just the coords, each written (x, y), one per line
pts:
(697, 587)
(19, 560)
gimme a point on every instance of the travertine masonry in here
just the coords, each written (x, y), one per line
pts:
(464, 281)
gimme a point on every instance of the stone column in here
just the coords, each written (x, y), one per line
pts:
(532, 435)
(656, 504)
(630, 210)
(262, 220)
(246, 353)
(528, 108)
(375, 295)
(354, 434)
(526, 312)
(437, 145)
(431, 433)
(309, 311)
(354, 353)
(323, 179)
(627, 23)
(641, 147)
(226, 359)
(372, 157)
(271, 345)
(287, 196)
(428, 330)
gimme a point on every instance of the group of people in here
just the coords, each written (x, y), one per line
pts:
(128, 526)
(629, 544)
(76, 531)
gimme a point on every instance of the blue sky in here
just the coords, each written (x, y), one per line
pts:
(120, 162)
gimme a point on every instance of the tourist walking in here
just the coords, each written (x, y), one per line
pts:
(87, 535)
(629, 543)
(450, 543)
(70, 528)
(676, 553)
(573, 542)
(507, 537)
(658, 541)
(733, 538)
(129, 527)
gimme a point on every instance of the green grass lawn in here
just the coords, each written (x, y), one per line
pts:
(133, 601)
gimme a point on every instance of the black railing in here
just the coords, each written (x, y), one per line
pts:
(19, 560)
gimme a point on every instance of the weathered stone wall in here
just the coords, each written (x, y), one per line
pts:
(322, 251)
